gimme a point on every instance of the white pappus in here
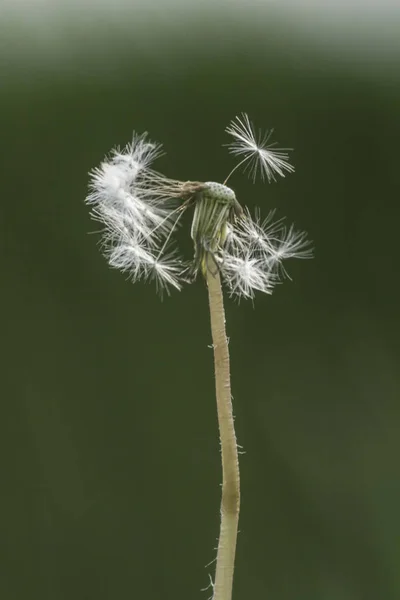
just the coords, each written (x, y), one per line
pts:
(141, 208)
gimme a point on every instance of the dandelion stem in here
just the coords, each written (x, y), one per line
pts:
(230, 501)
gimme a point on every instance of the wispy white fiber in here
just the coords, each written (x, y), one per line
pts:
(136, 206)
(255, 152)
(140, 210)
(252, 257)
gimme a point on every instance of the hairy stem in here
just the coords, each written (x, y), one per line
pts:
(230, 501)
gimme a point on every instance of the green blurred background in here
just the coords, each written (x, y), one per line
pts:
(110, 454)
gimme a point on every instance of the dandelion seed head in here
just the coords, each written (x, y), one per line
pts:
(220, 192)
(258, 156)
(141, 209)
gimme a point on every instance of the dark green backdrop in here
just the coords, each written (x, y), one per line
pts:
(110, 464)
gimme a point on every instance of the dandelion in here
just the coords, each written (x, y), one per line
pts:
(141, 210)
(258, 155)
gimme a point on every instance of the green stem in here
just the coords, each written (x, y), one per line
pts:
(230, 500)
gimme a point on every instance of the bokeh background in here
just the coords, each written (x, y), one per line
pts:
(110, 457)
